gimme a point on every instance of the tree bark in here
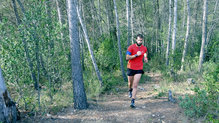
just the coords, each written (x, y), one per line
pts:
(8, 111)
(187, 36)
(131, 19)
(213, 25)
(174, 27)
(119, 45)
(111, 20)
(89, 48)
(80, 99)
(184, 13)
(61, 23)
(204, 30)
(128, 22)
(169, 34)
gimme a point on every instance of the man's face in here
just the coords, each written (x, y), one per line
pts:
(139, 41)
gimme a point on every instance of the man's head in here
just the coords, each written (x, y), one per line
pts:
(139, 39)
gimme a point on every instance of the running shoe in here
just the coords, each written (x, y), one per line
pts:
(130, 94)
(132, 105)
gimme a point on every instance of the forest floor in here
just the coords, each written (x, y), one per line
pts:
(114, 108)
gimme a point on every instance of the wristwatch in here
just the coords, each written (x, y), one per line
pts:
(136, 55)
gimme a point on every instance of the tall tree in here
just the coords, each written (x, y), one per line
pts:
(212, 25)
(131, 19)
(169, 33)
(111, 19)
(60, 17)
(80, 99)
(128, 22)
(187, 35)
(204, 30)
(119, 44)
(184, 13)
(89, 48)
(8, 112)
(174, 27)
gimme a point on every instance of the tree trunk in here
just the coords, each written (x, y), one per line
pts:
(131, 19)
(174, 27)
(89, 48)
(128, 22)
(99, 16)
(187, 36)
(80, 99)
(213, 25)
(194, 27)
(61, 24)
(8, 111)
(119, 45)
(184, 14)
(169, 33)
(111, 20)
(204, 30)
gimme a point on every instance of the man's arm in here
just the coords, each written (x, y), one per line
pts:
(129, 57)
(145, 57)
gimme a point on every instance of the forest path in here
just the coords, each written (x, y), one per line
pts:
(114, 108)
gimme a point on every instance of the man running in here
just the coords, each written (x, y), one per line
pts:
(135, 54)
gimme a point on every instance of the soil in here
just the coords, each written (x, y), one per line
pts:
(114, 108)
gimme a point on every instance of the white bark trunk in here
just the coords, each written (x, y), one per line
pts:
(119, 45)
(131, 19)
(187, 36)
(204, 27)
(89, 48)
(128, 22)
(169, 34)
(174, 27)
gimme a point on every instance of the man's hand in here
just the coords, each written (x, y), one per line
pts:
(145, 59)
(139, 53)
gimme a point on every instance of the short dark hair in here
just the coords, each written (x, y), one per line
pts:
(140, 36)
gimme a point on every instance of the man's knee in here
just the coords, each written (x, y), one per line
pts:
(135, 85)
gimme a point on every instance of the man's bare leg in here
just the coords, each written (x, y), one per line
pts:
(136, 80)
(130, 83)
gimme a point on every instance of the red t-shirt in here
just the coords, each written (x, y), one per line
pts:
(137, 62)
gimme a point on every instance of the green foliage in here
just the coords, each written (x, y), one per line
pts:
(107, 56)
(213, 50)
(111, 80)
(91, 84)
(156, 64)
(195, 106)
(204, 102)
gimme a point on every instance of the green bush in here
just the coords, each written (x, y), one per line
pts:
(204, 102)
(195, 106)
(107, 56)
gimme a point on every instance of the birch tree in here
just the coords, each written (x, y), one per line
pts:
(89, 48)
(174, 27)
(187, 36)
(169, 33)
(128, 22)
(119, 45)
(204, 30)
(131, 19)
(80, 99)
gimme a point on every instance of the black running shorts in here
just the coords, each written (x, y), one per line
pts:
(131, 72)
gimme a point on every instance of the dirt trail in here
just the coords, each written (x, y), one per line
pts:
(114, 108)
